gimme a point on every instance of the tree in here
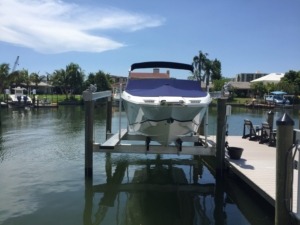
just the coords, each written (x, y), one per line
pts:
(216, 68)
(258, 88)
(36, 79)
(198, 64)
(4, 71)
(18, 77)
(24, 78)
(101, 81)
(75, 77)
(218, 84)
(68, 81)
(270, 87)
(291, 82)
(90, 80)
(59, 79)
(205, 69)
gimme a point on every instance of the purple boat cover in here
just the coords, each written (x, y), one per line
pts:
(164, 87)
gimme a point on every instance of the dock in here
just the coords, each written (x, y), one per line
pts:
(257, 167)
(278, 184)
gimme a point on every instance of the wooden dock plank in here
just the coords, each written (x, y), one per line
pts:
(257, 167)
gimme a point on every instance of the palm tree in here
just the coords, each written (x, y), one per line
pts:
(206, 69)
(59, 79)
(25, 78)
(75, 77)
(198, 63)
(19, 77)
(36, 79)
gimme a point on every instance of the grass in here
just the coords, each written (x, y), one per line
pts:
(236, 101)
(239, 100)
(55, 98)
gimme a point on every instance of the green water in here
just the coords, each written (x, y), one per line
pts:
(42, 177)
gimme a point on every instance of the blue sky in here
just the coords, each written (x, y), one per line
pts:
(246, 36)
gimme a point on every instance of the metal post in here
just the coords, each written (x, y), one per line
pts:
(219, 202)
(220, 139)
(206, 125)
(89, 122)
(120, 110)
(109, 116)
(298, 194)
(299, 119)
(88, 206)
(89, 96)
(283, 174)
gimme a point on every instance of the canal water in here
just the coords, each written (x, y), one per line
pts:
(42, 176)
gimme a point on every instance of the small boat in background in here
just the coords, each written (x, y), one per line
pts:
(277, 98)
(18, 98)
(161, 108)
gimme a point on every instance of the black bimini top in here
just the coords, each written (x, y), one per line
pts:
(162, 64)
(164, 87)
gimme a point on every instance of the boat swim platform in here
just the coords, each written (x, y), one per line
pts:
(122, 142)
(257, 167)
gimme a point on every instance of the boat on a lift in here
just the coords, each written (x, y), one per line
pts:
(161, 108)
(19, 98)
(277, 98)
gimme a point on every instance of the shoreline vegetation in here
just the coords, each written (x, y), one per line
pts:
(61, 99)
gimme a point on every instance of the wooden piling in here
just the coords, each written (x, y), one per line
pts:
(270, 119)
(89, 120)
(283, 174)
(220, 137)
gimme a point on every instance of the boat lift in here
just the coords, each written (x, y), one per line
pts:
(123, 142)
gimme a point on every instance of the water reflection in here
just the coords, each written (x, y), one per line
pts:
(158, 193)
(1, 144)
(42, 177)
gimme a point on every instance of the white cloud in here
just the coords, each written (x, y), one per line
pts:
(54, 26)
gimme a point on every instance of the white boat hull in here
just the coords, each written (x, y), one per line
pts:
(21, 101)
(161, 108)
(18, 98)
(166, 122)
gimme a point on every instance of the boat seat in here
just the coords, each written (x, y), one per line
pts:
(268, 135)
(250, 131)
